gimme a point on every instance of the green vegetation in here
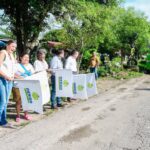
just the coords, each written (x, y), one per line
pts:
(86, 25)
(144, 64)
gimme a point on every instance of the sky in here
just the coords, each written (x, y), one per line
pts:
(142, 5)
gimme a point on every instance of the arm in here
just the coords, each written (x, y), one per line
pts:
(67, 65)
(2, 57)
(36, 66)
(32, 69)
(97, 62)
(89, 62)
(54, 64)
(16, 76)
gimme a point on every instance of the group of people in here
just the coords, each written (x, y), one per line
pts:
(11, 69)
(56, 63)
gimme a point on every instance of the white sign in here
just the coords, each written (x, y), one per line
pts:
(64, 79)
(34, 92)
(91, 84)
(79, 86)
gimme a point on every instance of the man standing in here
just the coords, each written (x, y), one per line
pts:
(94, 63)
(56, 63)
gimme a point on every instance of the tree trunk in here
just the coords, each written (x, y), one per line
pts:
(23, 43)
(122, 58)
(19, 33)
(80, 60)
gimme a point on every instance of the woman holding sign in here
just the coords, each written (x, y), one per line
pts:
(71, 64)
(23, 69)
(40, 64)
(7, 69)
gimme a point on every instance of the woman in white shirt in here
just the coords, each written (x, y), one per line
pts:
(71, 62)
(7, 65)
(40, 64)
(23, 69)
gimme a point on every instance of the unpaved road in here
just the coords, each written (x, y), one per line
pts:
(115, 120)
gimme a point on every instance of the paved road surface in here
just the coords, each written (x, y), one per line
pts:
(115, 120)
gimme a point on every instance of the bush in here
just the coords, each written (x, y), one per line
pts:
(115, 70)
(102, 71)
(144, 65)
(86, 57)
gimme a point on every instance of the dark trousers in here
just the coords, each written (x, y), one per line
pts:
(54, 100)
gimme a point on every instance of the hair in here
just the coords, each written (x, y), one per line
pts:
(42, 50)
(23, 54)
(59, 51)
(10, 42)
(73, 52)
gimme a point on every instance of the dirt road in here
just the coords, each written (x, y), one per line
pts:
(118, 119)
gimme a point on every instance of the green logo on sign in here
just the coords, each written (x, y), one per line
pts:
(80, 87)
(65, 83)
(35, 96)
(90, 85)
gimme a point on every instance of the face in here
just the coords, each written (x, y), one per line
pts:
(11, 47)
(94, 54)
(76, 55)
(62, 54)
(25, 59)
(41, 56)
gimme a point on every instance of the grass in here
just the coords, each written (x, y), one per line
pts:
(24, 124)
(49, 112)
(127, 75)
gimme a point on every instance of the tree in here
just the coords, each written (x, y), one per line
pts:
(109, 28)
(27, 19)
(132, 30)
(84, 30)
(110, 2)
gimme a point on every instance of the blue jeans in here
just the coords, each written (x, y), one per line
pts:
(54, 99)
(5, 91)
(94, 70)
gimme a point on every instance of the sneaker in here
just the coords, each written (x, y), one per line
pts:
(54, 107)
(60, 105)
(17, 119)
(69, 100)
(9, 125)
(73, 99)
(27, 117)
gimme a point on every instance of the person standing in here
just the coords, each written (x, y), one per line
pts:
(7, 70)
(40, 64)
(23, 70)
(94, 63)
(71, 62)
(56, 63)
